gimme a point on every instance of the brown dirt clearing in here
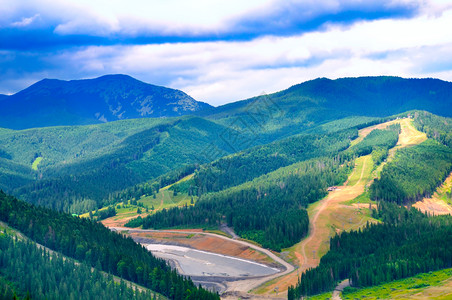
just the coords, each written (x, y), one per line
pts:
(436, 204)
(196, 240)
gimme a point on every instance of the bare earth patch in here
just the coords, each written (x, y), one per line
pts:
(442, 292)
(196, 240)
(433, 206)
(119, 220)
(437, 204)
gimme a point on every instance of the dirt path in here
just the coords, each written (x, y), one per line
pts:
(343, 193)
(337, 291)
(326, 202)
(240, 288)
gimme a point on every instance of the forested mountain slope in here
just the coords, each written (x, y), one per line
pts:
(413, 242)
(408, 243)
(27, 270)
(302, 106)
(79, 168)
(65, 166)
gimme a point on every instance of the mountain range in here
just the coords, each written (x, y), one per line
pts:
(51, 102)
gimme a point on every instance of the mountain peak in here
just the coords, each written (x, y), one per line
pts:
(51, 102)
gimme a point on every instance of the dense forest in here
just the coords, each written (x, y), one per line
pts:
(270, 157)
(95, 245)
(436, 127)
(277, 200)
(377, 139)
(407, 243)
(153, 186)
(30, 271)
(414, 173)
(322, 100)
(247, 165)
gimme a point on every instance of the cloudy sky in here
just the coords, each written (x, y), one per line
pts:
(220, 51)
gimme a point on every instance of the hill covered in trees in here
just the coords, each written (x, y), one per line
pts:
(269, 210)
(302, 106)
(255, 165)
(80, 168)
(414, 173)
(29, 272)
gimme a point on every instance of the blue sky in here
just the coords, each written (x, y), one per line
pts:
(223, 51)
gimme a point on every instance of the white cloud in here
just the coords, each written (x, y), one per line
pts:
(194, 17)
(220, 72)
(25, 21)
(105, 17)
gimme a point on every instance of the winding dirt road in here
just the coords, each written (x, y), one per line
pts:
(343, 193)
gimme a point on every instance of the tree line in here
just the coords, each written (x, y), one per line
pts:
(377, 139)
(436, 127)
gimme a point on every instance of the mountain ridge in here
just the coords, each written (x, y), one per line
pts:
(324, 91)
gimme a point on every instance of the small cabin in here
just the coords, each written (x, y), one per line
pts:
(332, 188)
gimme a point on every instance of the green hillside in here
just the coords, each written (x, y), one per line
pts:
(52, 102)
(414, 173)
(408, 243)
(80, 166)
(304, 105)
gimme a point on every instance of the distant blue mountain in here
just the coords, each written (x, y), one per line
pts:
(52, 102)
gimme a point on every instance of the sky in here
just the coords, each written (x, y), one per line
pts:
(219, 51)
